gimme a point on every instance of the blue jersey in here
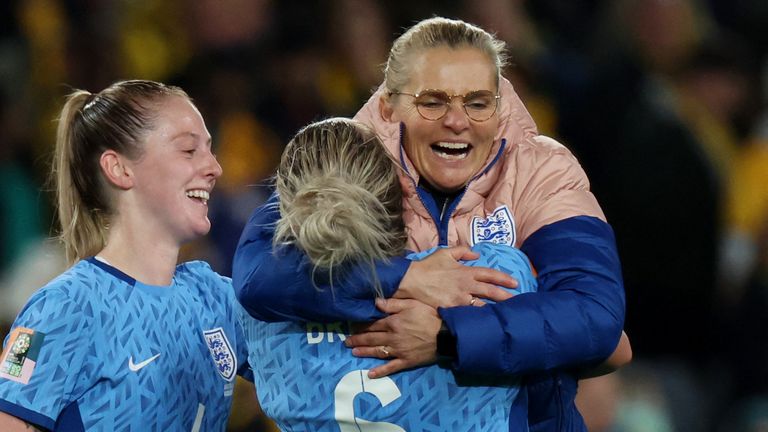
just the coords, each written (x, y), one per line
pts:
(97, 350)
(307, 380)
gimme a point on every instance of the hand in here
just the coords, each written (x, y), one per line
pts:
(409, 334)
(440, 280)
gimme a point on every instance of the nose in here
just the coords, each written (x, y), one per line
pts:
(456, 118)
(212, 166)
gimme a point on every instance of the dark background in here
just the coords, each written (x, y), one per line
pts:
(663, 102)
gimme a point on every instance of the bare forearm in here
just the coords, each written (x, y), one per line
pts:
(9, 423)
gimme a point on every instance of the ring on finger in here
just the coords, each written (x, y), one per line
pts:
(384, 350)
(472, 301)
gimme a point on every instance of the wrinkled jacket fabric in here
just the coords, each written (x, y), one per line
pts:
(575, 319)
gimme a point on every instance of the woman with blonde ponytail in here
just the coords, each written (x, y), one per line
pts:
(126, 339)
(339, 198)
(340, 203)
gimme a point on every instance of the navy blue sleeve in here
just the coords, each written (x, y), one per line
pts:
(575, 318)
(278, 286)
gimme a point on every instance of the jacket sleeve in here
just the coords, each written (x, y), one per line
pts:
(575, 318)
(278, 285)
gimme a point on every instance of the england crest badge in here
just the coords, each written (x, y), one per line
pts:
(498, 227)
(221, 351)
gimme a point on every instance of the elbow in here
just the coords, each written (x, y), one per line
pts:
(611, 340)
(622, 354)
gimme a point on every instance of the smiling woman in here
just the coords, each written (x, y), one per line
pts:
(474, 169)
(125, 327)
(449, 149)
(173, 176)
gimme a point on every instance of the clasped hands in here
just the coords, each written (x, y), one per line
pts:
(407, 335)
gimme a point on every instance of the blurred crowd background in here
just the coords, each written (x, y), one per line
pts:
(665, 103)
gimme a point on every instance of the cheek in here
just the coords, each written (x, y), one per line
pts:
(490, 132)
(418, 137)
(405, 113)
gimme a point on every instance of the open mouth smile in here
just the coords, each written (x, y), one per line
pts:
(451, 150)
(199, 195)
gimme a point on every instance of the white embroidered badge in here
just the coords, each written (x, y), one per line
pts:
(498, 227)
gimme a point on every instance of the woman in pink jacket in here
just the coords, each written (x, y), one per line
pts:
(474, 169)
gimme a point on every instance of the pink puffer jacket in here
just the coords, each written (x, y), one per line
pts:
(535, 177)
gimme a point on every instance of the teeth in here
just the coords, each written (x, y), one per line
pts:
(453, 145)
(451, 150)
(451, 156)
(199, 193)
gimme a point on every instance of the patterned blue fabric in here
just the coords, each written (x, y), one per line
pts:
(120, 355)
(307, 380)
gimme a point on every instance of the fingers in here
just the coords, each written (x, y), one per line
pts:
(369, 339)
(491, 292)
(362, 327)
(379, 351)
(495, 277)
(393, 305)
(461, 253)
(388, 368)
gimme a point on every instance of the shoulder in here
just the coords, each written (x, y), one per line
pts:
(65, 303)
(545, 183)
(541, 159)
(201, 273)
(540, 148)
(201, 280)
(76, 283)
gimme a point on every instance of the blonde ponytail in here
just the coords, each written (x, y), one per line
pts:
(82, 230)
(340, 201)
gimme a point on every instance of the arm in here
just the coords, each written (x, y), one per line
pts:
(279, 286)
(575, 319)
(414, 335)
(44, 335)
(10, 423)
(621, 356)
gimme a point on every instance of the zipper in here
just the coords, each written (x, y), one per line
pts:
(443, 227)
(442, 212)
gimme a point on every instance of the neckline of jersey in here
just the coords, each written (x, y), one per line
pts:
(160, 290)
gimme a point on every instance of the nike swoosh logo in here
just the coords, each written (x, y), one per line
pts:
(136, 367)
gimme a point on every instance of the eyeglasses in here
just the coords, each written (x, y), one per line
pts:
(433, 105)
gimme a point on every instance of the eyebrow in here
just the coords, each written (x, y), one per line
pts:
(192, 135)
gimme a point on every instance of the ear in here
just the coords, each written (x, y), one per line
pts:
(116, 170)
(385, 107)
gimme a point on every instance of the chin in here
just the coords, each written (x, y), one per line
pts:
(450, 187)
(201, 229)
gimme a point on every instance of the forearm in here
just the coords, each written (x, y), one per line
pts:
(574, 320)
(279, 286)
(9, 423)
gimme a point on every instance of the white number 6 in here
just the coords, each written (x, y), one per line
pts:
(357, 382)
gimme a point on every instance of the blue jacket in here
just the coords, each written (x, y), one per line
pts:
(575, 319)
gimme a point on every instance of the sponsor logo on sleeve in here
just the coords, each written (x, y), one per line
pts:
(20, 355)
(498, 227)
